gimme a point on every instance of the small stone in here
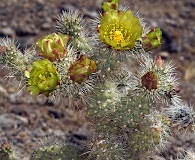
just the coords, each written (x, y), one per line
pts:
(4, 24)
(19, 110)
(59, 133)
(25, 42)
(7, 121)
(46, 26)
(15, 97)
(25, 30)
(164, 54)
(3, 90)
(54, 113)
(68, 7)
(8, 31)
(190, 72)
(90, 14)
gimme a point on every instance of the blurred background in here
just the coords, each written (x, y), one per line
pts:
(24, 118)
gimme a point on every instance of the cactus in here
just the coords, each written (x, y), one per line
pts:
(133, 114)
(7, 152)
(14, 59)
(71, 23)
(65, 151)
(181, 148)
(106, 146)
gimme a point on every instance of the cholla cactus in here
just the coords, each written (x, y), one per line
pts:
(13, 59)
(72, 83)
(181, 115)
(161, 127)
(55, 149)
(126, 108)
(71, 23)
(121, 29)
(7, 152)
(156, 80)
(105, 146)
(182, 147)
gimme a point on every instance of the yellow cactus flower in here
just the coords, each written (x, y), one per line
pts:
(53, 46)
(43, 77)
(119, 29)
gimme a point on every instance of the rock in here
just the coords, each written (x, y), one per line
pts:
(54, 113)
(4, 24)
(15, 97)
(90, 14)
(25, 30)
(2, 134)
(169, 44)
(164, 54)
(8, 31)
(59, 133)
(25, 42)
(3, 11)
(68, 7)
(47, 23)
(46, 26)
(190, 72)
(3, 90)
(39, 132)
(19, 110)
(9, 121)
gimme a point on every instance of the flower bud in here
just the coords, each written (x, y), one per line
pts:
(5, 146)
(6, 152)
(53, 46)
(159, 63)
(176, 89)
(150, 80)
(119, 29)
(2, 49)
(43, 77)
(152, 39)
(110, 5)
(81, 69)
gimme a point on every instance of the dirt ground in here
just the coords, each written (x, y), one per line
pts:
(24, 118)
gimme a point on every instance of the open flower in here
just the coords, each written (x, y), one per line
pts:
(53, 46)
(43, 77)
(81, 69)
(119, 29)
